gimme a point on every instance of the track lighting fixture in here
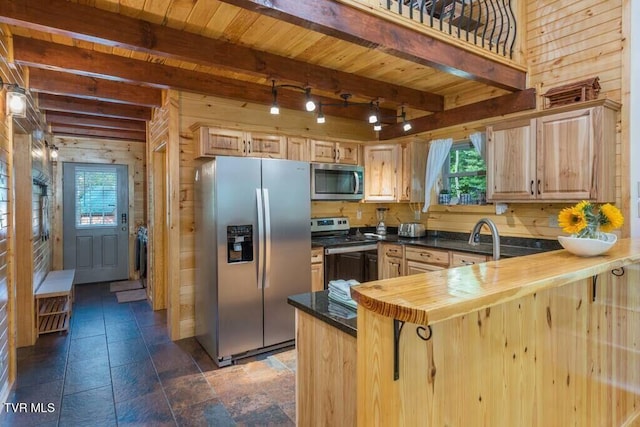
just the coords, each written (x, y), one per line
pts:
(16, 99)
(374, 117)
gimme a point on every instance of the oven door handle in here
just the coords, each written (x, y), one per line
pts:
(351, 248)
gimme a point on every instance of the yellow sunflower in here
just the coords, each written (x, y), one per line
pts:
(572, 219)
(582, 205)
(610, 217)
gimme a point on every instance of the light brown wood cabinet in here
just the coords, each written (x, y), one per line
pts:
(395, 172)
(422, 260)
(298, 149)
(568, 155)
(459, 259)
(390, 260)
(211, 141)
(334, 152)
(317, 269)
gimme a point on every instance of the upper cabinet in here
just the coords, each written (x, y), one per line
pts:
(298, 149)
(395, 172)
(211, 141)
(569, 155)
(334, 152)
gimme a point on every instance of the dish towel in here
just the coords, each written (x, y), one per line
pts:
(340, 292)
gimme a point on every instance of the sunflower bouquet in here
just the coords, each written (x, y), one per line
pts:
(589, 221)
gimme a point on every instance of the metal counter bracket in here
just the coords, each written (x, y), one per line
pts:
(397, 331)
(594, 281)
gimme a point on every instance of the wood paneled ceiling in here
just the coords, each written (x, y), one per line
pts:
(99, 66)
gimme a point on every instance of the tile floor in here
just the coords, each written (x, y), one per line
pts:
(117, 367)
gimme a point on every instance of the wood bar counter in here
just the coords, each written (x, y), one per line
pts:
(546, 339)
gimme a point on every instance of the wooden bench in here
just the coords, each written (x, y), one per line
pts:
(54, 298)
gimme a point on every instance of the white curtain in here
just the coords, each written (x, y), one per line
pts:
(477, 139)
(438, 152)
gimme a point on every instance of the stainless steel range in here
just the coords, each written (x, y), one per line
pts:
(346, 255)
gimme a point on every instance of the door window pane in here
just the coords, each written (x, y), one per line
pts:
(96, 197)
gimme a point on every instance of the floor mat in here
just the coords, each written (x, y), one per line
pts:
(127, 285)
(128, 296)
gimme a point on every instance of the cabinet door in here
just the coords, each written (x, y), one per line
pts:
(415, 267)
(404, 175)
(347, 153)
(460, 258)
(391, 267)
(298, 149)
(323, 151)
(511, 161)
(389, 261)
(565, 156)
(317, 270)
(380, 172)
(264, 145)
(225, 142)
(429, 256)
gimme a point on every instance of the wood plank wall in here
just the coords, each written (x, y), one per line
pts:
(16, 296)
(83, 150)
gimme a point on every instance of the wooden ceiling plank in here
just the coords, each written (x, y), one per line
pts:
(36, 54)
(98, 133)
(59, 83)
(494, 107)
(111, 29)
(347, 23)
(61, 118)
(48, 102)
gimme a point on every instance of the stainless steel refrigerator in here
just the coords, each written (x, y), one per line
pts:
(253, 250)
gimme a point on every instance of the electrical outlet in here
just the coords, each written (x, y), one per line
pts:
(359, 214)
(416, 215)
(553, 221)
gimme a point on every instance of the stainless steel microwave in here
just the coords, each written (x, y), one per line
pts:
(331, 181)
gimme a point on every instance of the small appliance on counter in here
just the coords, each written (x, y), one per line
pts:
(381, 228)
(412, 229)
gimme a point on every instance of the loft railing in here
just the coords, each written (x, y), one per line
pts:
(490, 24)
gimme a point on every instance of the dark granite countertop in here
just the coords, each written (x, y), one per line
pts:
(509, 246)
(317, 304)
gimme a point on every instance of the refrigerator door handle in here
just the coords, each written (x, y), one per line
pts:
(267, 238)
(260, 238)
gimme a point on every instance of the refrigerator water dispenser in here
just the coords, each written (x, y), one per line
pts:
(239, 243)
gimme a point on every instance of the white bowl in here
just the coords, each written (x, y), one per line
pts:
(588, 247)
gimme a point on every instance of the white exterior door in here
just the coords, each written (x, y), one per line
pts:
(96, 221)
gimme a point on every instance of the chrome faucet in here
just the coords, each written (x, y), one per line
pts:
(474, 238)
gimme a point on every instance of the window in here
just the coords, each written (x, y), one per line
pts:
(96, 197)
(465, 173)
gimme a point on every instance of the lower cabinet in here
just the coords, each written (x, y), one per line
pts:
(404, 260)
(317, 269)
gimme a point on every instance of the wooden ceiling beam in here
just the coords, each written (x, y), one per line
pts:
(339, 20)
(60, 118)
(494, 107)
(98, 133)
(68, 104)
(66, 84)
(103, 27)
(41, 54)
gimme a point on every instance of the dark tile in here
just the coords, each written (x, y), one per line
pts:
(140, 306)
(134, 379)
(127, 351)
(187, 390)
(155, 334)
(87, 374)
(169, 377)
(289, 408)
(92, 407)
(46, 395)
(168, 356)
(210, 413)
(87, 328)
(87, 348)
(268, 416)
(149, 409)
(38, 369)
(118, 313)
(148, 318)
(118, 331)
(203, 360)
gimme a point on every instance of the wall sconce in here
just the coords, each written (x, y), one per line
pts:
(309, 104)
(53, 151)
(16, 99)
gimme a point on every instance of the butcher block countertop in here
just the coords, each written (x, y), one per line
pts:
(440, 295)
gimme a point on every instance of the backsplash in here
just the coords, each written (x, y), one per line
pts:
(528, 220)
